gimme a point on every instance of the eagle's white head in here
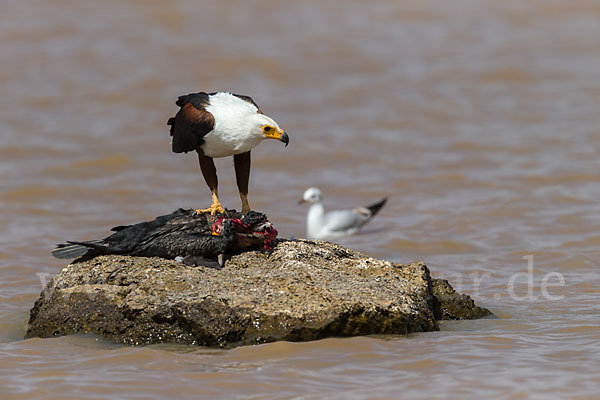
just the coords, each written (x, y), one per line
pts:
(266, 128)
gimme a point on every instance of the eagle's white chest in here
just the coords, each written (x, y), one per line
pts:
(234, 132)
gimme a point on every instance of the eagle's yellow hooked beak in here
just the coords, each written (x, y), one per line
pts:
(274, 133)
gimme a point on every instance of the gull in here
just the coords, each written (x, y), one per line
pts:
(338, 223)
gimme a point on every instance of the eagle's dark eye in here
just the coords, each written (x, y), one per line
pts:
(267, 128)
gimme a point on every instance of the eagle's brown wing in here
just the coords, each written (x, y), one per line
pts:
(191, 123)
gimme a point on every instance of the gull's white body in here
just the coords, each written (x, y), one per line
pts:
(334, 224)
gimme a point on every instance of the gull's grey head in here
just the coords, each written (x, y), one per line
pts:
(312, 195)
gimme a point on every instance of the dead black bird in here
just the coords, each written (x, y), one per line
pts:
(199, 239)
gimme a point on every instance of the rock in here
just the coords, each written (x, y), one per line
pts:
(302, 290)
(449, 304)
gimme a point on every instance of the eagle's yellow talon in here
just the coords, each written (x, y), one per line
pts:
(213, 209)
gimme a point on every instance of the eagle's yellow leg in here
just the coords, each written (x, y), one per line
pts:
(245, 205)
(215, 207)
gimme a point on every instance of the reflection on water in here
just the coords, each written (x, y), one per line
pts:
(479, 119)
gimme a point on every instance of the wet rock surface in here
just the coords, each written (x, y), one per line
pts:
(302, 290)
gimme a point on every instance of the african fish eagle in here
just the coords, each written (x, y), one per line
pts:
(217, 125)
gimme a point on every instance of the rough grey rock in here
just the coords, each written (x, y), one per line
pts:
(449, 304)
(303, 290)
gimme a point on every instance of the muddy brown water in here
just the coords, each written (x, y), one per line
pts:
(479, 119)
